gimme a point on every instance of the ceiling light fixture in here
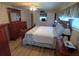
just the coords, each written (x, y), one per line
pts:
(33, 9)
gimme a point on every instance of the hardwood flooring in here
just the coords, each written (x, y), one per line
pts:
(18, 50)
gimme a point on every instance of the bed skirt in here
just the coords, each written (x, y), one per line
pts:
(52, 46)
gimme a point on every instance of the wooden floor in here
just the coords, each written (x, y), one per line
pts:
(18, 50)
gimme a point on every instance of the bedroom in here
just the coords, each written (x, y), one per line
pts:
(29, 28)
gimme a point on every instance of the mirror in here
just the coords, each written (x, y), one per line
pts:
(14, 15)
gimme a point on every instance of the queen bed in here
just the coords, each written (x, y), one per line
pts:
(43, 36)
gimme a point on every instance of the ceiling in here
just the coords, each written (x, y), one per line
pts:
(41, 5)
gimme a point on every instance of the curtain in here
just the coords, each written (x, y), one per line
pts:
(74, 11)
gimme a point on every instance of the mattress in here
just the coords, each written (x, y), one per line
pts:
(44, 34)
(41, 36)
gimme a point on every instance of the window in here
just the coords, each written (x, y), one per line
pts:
(64, 18)
(75, 24)
(43, 16)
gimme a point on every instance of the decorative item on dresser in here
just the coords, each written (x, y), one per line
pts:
(14, 29)
(4, 47)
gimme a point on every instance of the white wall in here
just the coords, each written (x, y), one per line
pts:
(25, 15)
(3, 15)
(75, 38)
(49, 22)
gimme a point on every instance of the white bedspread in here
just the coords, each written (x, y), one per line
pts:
(44, 34)
(41, 34)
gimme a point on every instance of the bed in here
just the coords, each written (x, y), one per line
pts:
(43, 36)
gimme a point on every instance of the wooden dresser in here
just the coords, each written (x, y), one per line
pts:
(4, 47)
(14, 29)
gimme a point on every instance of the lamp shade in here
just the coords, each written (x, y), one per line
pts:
(64, 18)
